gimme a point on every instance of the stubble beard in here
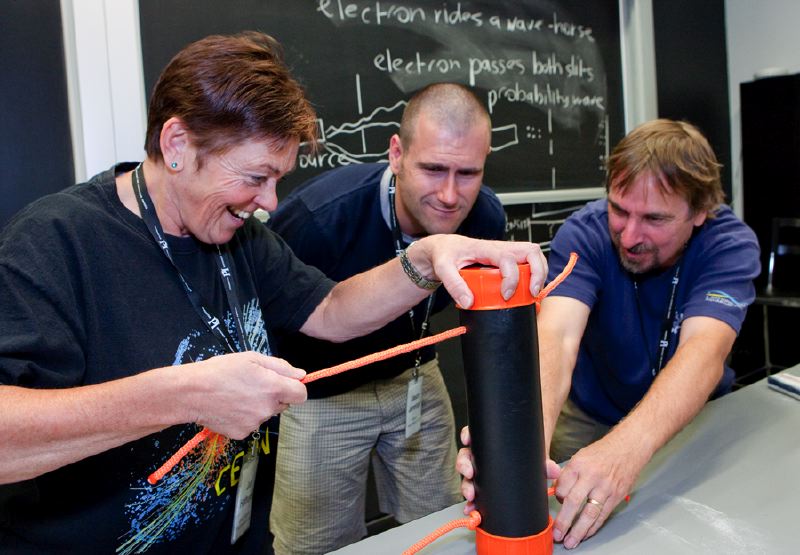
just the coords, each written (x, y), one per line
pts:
(638, 267)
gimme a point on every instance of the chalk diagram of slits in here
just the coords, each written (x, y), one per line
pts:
(366, 140)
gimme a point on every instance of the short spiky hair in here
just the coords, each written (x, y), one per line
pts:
(450, 105)
(674, 152)
(229, 89)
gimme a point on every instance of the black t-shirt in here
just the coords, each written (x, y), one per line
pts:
(335, 222)
(86, 297)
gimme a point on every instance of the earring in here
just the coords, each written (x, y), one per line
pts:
(174, 165)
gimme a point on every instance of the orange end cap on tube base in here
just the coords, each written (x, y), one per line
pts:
(538, 544)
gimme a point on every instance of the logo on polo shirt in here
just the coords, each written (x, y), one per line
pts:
(722, 297)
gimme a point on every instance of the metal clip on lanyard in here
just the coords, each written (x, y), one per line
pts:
(224, 265)
(666, 325)
(398, 248)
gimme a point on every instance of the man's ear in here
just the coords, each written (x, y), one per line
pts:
(174, 142)
(395, 153)
(700, 218)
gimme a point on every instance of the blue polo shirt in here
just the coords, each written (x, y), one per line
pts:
(621, 342)
(337, 222)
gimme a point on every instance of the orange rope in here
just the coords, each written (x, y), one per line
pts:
(472, 523)
(357, 363)
(382, 355)
(573, 259)
(156, 476)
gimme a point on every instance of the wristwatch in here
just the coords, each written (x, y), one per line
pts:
(414, 275)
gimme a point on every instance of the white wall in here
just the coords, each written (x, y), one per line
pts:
(105, 82)
(761, 34)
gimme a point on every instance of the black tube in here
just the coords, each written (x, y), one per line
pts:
(501, 365)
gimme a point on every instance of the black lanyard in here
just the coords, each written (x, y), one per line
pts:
(666, 325)
(224, 265)
(398, 248)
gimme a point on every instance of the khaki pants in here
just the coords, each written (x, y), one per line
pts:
(574, 430)
(324, 450)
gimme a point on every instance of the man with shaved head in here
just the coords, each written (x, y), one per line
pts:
(344, 222)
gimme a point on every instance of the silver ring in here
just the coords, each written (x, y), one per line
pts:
(594, 502)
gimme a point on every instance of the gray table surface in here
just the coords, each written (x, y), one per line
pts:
(728, 483)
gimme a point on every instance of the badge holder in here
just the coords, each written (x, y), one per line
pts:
(244, 493)
(414, 403)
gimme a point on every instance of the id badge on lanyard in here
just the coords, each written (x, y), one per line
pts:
(414, 390)
(243, 511)
(414, 406)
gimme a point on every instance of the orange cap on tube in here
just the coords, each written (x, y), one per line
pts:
(484, 282)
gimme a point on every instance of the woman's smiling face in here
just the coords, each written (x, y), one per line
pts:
(213, 202)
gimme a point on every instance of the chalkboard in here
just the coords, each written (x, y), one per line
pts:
(549, 73)
(538, 222)
(35, 145)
